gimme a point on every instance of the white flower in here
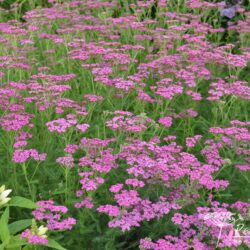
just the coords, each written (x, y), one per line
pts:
(4, 195)
(42, 231)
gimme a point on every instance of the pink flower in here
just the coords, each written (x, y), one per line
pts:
(53, 215)
(191, 141)
(116, 188)
(127, 198)
(166, 121)
(87, 202)
(82, 127)
(67, 161)
(34, 239)
(135, 182)
(109, 209)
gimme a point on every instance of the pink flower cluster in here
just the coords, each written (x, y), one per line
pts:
(131, 70)
(22, 155)
(33, 238)
(60, 125)
(166, 121)
(132, 210)
(125, 121)
(207, 223)
(53, 216)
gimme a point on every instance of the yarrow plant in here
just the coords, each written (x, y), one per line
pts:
(10, 235)
(36, 235)
(133, 116)
(52, 214)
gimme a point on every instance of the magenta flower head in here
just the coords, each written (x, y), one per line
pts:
(35, 235)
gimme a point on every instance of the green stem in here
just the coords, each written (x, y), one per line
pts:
(66, 184)
(27, 180)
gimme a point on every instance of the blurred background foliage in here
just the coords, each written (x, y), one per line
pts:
(14, 9)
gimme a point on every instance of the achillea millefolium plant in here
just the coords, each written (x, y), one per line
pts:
(124, 125)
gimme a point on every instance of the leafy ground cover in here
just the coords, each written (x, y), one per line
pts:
(124, 125)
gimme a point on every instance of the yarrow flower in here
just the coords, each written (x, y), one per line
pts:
(67, 161)
(170, 72)
(116, 188)
(22, 155)
(35, 235)
(87, 202)
(82, 127)
(191, 141)
(60, 125)
(53, 215)
(166, 121)
(127, 122)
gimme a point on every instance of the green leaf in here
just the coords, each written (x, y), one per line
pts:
(4, 230)
(55, 245)
(28, 247)
(15, 243)
(18, 201)
(18, 226)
